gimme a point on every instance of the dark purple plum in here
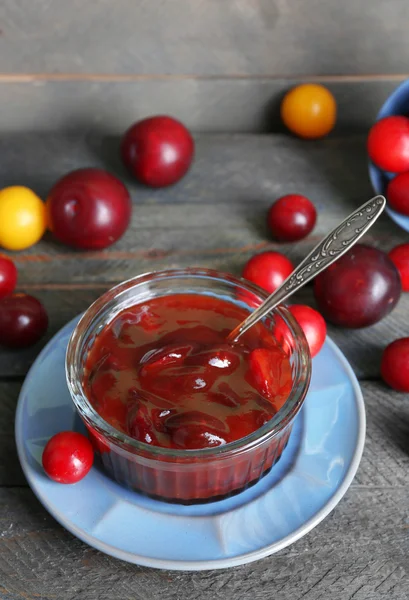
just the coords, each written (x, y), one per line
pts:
(359, 289)
(23, 321)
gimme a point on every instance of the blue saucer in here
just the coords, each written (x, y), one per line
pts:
(310, 479)
(396, 104)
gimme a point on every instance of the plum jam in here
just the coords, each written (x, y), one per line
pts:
(162, 373)
(172, 410)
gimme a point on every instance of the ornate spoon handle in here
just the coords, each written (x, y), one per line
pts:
(332, 247)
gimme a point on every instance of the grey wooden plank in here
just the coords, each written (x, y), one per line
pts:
(359, 553)
(214, 247)
(386, 456)
(214, 217)
(362, 347)
(234, 168)
(202, 37)
(212, 105)
(385, 463)
(10, 470)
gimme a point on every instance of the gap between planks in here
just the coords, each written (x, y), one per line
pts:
(125, 78)
(148, 253)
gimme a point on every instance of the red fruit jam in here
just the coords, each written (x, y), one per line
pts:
(162, 373)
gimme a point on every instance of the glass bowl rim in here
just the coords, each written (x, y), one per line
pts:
(269, 430)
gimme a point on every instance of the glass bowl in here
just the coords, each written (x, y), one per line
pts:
(186, 476)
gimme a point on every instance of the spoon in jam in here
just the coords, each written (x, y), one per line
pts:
(332, 247)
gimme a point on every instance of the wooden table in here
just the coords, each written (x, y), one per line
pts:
(73, 76)
(215, 217)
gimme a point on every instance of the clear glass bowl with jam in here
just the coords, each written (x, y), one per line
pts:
(172, 410)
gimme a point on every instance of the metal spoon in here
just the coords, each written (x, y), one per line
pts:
(332, 247)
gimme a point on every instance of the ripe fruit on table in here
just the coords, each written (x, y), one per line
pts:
(268, 270)
(361, 288)
(68, 457)
(400, 258)
(388, 144)
(22, 218)
(310, 321)
(8, 276)
(312, 324)
(309, 110)
(158, 151)
(291, 218)
(397, 193)
(395, 365)
(89, 209)
(23, 321)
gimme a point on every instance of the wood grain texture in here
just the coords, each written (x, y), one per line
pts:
(205, 36)
(349, 556)
(209, 104)
(215, 217)
(10, 470)
(236, 169)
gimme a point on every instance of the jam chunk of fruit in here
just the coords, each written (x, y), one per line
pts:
(162, 373)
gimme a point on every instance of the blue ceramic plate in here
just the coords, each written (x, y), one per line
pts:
(396, 104)
(313, 474)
